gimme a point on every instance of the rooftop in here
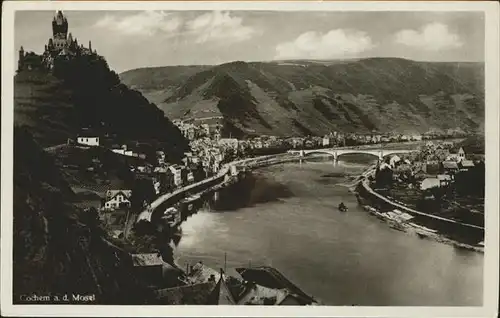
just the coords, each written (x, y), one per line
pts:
(200, 273)
(467, 163)
(196, 294)
(443, 177)
(113, 193)
(147, 259)
(450, 165)
(429, 183)
(257, 295)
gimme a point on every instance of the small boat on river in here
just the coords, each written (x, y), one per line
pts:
(342, 207)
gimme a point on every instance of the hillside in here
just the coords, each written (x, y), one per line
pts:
(315, 97)
(84, 93)
(57, 247)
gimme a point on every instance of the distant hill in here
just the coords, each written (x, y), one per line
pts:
(316, 97)
(85, 93)
(58, 248)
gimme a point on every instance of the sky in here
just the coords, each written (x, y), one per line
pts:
(134, 39)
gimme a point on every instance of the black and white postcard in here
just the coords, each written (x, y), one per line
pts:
(295, 158)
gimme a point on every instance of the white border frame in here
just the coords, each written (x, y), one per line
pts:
(490, 294)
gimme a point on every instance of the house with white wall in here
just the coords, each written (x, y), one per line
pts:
(116, 199)
(176, 172)
(88, 140)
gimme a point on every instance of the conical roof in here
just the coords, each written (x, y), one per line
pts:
(221, 295)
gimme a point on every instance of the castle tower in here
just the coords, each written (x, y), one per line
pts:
(59, 31)
(59, 26)
(20, 62)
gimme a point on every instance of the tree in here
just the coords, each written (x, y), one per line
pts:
(165, 187)
(383, 178)
(199, 173)
(143, 190)
(90, 217)
(143, 228)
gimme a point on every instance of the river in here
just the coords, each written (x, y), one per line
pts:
(287, 217)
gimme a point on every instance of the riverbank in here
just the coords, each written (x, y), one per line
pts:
(291, 222)
(409, 226)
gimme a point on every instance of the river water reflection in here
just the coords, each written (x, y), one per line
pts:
(340, 258)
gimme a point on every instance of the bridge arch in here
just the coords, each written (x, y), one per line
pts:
(320, 151)
(376, 153)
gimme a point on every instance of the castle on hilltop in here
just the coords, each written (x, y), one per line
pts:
(60, 46)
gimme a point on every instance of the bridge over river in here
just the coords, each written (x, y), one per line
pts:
(337, 152)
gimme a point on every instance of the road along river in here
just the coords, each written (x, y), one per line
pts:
(286, 216)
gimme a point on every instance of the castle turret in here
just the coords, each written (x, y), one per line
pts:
(20, 62)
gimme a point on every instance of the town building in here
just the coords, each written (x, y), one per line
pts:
(461, 154)
(394, 160)
(465, 165)
(176, 172)
(233, 170)
(221, 295)
(447, 144)
(231, 143)
(429, 183)
(152, 270)
(376, 139)
(450, 167)
(206, 129)
(416, 137)
(143, 169)
(258, 144)
(165, 177)
(88, 140)
(456, 155)
(160, 157)
(444, 179)
(190, 177)
(235, 290)
(265, 296)
(117, 198)
(326, 141)
(430, 144)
